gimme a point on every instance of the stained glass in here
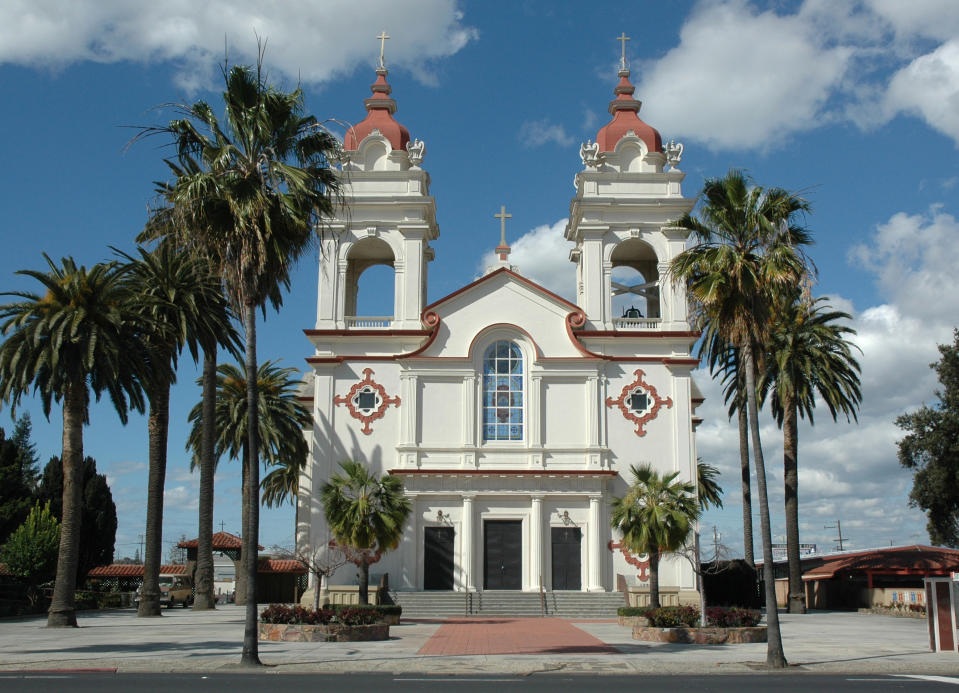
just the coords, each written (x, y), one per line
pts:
(503, 392)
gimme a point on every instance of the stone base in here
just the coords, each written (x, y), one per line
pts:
(631, 621)
(335, 632)
(701, 636)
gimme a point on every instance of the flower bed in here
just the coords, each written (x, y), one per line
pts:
(701, 636)
(343, 624)
(332, 632)
(676, 624)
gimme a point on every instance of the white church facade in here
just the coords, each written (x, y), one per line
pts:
(511, 414)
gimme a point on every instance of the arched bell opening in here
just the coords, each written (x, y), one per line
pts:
(634, 282)
(370, 284)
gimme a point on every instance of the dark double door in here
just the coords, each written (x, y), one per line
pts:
(438, 558)
(567, 566)
(502, 555)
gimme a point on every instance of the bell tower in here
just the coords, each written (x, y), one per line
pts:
(386, 217)
(622, 220)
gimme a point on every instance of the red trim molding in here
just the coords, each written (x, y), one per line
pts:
(650, 391)
(382, 401)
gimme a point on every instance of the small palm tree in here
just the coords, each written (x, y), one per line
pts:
(807, 354)
(657, 515)
(173, 293)
(749, 250)
(365, 513)
(75, 338)
(282, 418)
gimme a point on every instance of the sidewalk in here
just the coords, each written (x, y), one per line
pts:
(182, 640)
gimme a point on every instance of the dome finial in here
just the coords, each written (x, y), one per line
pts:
(623, 65)
(383, 38)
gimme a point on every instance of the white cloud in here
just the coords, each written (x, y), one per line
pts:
(914, 257)
(542, 255)
(929, 87)
(745, 78)
(741, 78)
(535, 133)
(307, 40)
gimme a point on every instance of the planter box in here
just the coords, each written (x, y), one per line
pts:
(701, 636)
(335, 632)
(633, 621)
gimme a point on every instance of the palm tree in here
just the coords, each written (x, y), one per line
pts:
(657, 514)
(723, 360)
(365, 513)
(282, 418)
(807, 355)
(172, 292)
(73, 339)
(252, 195)
(749, 249)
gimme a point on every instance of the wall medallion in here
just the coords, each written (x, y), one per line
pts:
(639, 402)
(367, 401)
(640, 562)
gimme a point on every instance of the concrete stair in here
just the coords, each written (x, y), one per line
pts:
(509, 603)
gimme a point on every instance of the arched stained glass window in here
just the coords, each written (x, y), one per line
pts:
(503, 392)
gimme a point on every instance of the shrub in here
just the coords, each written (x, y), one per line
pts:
(732, 617)
(384, 609)
(295, 615)
(672, 616)
(632, 610)
(351, 616)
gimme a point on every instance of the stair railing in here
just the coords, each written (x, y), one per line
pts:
(542, 597)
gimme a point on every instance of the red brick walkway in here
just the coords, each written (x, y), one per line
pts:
(485, 636)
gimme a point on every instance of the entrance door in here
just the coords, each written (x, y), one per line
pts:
(438, 558)
(566, 558)
(502, 555)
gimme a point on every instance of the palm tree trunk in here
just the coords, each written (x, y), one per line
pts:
(62, 611)
(203, 595)
(241, 576)
(364, 582)
(797, 597)
(251, 654)
(157, 427)
(775, 657)
(654, 579)
(747, 490)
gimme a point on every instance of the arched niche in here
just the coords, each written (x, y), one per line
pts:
(370, 278)
(634, 281)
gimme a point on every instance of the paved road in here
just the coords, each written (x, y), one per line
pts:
(183, 641)
(546, 683)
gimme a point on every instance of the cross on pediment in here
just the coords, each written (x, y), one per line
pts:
(503, 216)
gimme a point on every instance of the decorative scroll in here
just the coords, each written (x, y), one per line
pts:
(640, 402)
(367, 401)
(640, 563)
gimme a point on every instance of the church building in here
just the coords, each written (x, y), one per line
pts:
(511, 414)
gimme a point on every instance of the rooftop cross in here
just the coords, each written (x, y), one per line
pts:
(623, 38)
(383, 37)
(502, 216)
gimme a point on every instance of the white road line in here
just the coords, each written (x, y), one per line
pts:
(922, 677)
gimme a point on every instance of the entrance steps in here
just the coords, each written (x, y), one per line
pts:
(437, 604)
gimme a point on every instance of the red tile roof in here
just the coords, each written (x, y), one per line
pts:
(280, 565)
(132, 570)
(221, 541)
(904, 560)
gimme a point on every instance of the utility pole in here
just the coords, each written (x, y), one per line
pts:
(838, 527)
(222, 525)
(715, 544)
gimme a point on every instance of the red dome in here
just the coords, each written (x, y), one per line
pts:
(625, 109)
(380, 109)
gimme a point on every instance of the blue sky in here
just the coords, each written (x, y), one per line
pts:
(854, 105)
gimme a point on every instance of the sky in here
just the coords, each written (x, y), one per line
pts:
(853, 105)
